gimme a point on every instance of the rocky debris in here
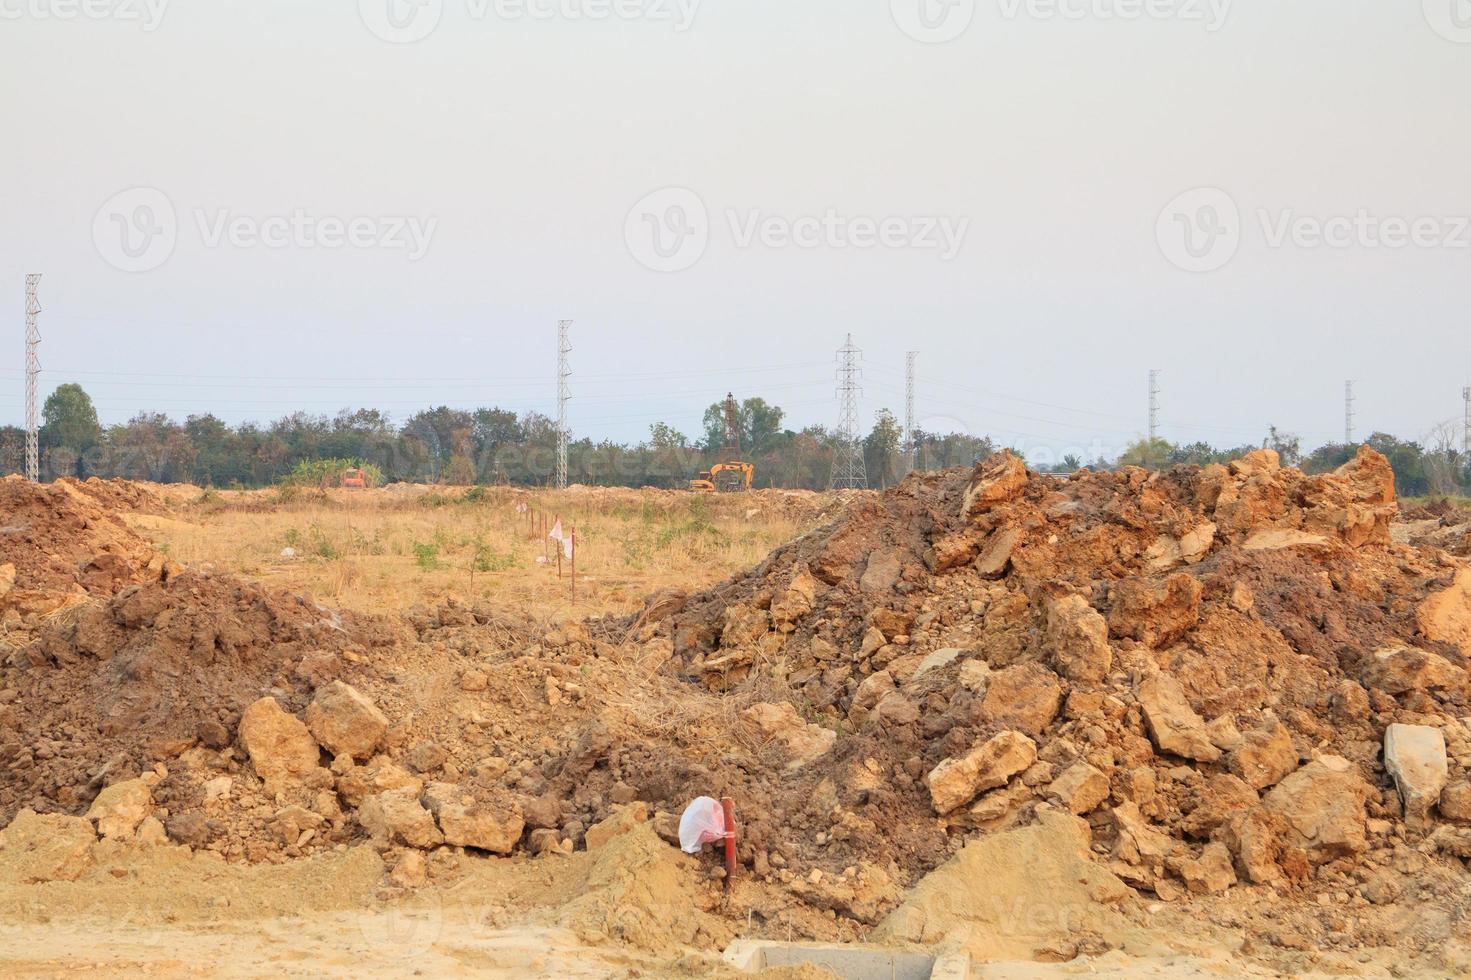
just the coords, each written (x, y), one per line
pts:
(121, 808)
(1445, 616)
(1323, 805)
(804, 743)
(280, 746)
(345, 722)
(997, 480)
(38, 848)
(1080, 790)
(1455, 801)
(623, 821)
(797, 601)
(1173, 724)
(1155, 613)
(955, 782)
(1415, 758)
(1077, 640)
(1211, 873)
(1265, 757)
(397, 817)
(380, 775)
(1400, 670)
(1026, 697)
(466, 820)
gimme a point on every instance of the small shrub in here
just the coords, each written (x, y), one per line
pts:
(426, 555)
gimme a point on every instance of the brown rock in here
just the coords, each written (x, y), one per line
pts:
(1077, 640)
(289, 824)
(996, 554)
(426, 757)
(1445, 617)
(1455, 801)
(1155, 614)
(1080, 790)
(396, 817)
(1138, 843)
(38, 849)
(1399, 670)
(120, 808)
(742, 625)
(882, 573)
(996, 480)
(472, 682)
(378, 776)
(626, 819)
(798, 599)
(544, 813)
(411, 870)
(1265, 757)
(956, 782)
(1323, 806)
(493, 823)
(280, 747)
(1173, 724)
(344, 722)
(1219, 800)
(1026, 697)
(780, 723)
(1415, 758)
(1211, 873)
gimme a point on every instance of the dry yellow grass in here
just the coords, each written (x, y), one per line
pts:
(384, 551)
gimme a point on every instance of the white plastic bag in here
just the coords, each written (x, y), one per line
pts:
(703, 823)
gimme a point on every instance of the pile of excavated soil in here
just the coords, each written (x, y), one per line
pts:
(65, 538)
(1225, 682)
(1232, 674)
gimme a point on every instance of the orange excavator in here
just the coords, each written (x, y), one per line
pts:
(731, 476)
(354, 480)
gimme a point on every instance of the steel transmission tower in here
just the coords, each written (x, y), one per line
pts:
(1466, 422)
(1348, 413)
(1153, 405)
(731, 448)
(849, 470)
(909, 360)
(33, 372)
(564, 394)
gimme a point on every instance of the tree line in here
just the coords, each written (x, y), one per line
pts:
(494, 445)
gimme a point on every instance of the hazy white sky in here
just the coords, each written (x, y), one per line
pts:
(1048, 140)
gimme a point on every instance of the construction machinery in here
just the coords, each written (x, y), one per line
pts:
(733, 475)
(354, 479)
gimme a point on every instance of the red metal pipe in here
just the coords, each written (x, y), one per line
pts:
(728, 805)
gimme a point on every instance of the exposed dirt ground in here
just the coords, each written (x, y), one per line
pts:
(1205, 722)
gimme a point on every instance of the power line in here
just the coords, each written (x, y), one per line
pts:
(33, 373)
(849, 470)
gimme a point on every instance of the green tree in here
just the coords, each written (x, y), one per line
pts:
(881, 449)
(69, 427)
(1152, 454)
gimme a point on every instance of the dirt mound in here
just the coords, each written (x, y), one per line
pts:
(60, 539)
(1204, 663)
(114, 689)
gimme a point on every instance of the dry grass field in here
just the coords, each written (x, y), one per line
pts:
(385, 551)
